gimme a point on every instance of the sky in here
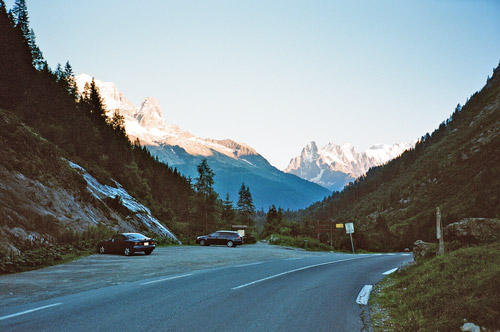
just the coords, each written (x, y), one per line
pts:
(278, 74)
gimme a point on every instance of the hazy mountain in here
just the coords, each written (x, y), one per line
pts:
(333, 166)
(232, 162)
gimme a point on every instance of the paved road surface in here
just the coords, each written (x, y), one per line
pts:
(249, 288)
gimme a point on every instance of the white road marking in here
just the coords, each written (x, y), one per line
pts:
(390, 271)
(364, 295)
(293, 259)
(249, 264)
(292, 271)
(406, 254)
(166, 279)
(29, 311)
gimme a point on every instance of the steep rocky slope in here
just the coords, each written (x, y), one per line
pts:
(42, 194)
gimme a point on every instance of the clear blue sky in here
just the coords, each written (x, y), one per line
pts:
(279, 74)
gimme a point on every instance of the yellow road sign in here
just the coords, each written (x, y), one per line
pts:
(339, 225)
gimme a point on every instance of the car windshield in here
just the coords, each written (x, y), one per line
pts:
(135, 236)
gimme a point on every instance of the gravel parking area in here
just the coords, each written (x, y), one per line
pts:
(99, 271)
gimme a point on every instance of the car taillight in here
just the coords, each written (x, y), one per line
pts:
(137, 243)
(152, 242)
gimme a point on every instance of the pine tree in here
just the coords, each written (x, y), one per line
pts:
(70, 80)
(246, 208)
(93, 102)
(36, 54)
(205, 180)
(59, 73)
(3, 9)
(228, 213)
(207, 199)
(20, 12)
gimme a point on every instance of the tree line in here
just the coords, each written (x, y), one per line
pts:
(76, 122)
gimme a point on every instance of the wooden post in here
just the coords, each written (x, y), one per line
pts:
(439, 232)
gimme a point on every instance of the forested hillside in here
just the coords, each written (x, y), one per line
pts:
(44, 120)
(456, 168)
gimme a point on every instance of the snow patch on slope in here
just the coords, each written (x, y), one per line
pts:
(100, 191)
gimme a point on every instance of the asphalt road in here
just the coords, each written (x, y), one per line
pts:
(272, 290)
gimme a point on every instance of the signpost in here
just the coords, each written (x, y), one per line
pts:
(349, 229)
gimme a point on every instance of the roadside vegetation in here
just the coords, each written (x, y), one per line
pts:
(442, 293)
(38, 252)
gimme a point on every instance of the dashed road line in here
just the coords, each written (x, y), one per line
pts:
(292, 271)
(29, 311)
(166, 279)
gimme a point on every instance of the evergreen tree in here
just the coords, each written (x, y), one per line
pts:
(70, 80)
(228, 213)
(274, 220)
(246, 208)
(59, 73)
(3, 9)
(20, 12)
(36, 54)
(205, 180)
(93, 102)
(207, 198)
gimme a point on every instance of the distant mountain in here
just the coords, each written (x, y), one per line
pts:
(334, 166)
(455, 168)
(232, 162)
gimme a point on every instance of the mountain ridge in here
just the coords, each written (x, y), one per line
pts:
(333, 166)
(234, 163)
(456, 168)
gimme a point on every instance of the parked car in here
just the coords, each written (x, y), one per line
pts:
(127, 244)
(228, 238)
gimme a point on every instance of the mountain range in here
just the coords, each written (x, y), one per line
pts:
(333, 166)
(455, 168)
(233, 163)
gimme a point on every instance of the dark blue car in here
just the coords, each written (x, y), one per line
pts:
(228, 238)
(127, 244)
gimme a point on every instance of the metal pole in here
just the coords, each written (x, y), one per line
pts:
(439, 231)
(352, 243)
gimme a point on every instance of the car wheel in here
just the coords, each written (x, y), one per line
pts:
(102, 250)
(202, 243)
(148, 252)
(127, 252)
(230, 244)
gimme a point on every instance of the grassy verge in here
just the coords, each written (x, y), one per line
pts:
(438, 294)
(37, 258)
(299, 242)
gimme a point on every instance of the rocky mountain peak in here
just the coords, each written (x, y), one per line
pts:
(333, 166)
(150, 114)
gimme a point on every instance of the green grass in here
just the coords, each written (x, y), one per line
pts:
(299, 242)
(438, 294)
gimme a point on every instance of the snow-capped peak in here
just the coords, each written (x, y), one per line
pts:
(317, 165)
(147, 124)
